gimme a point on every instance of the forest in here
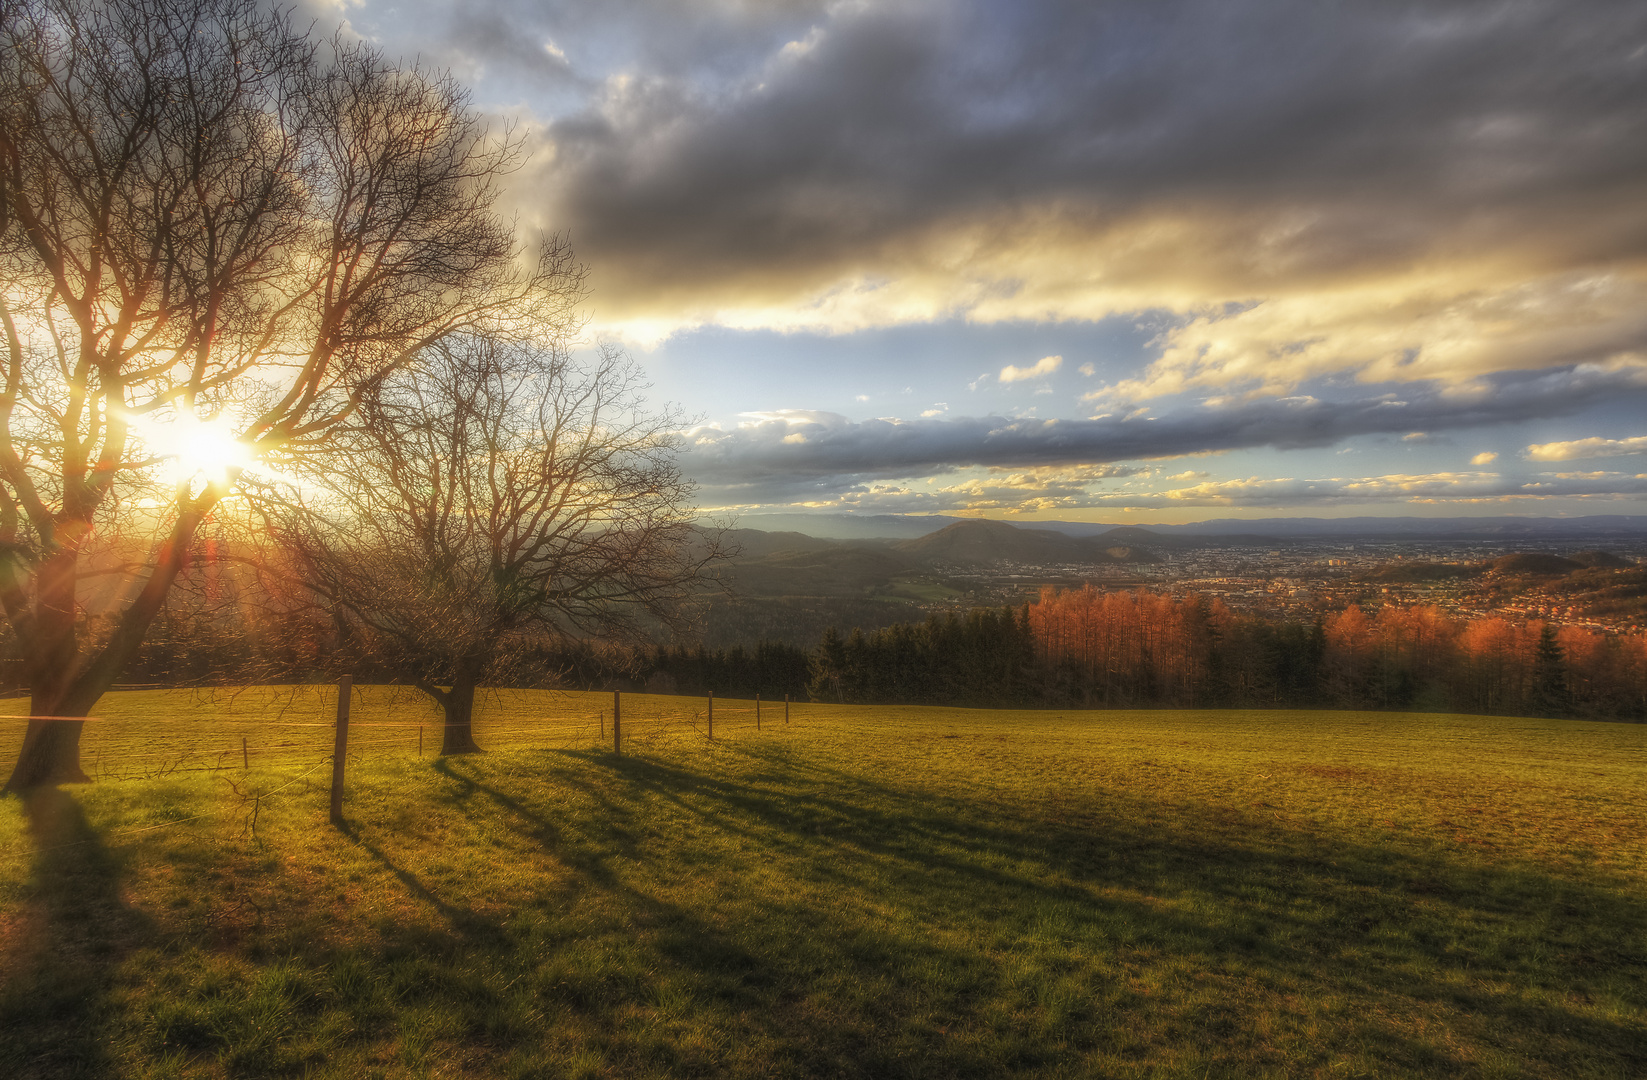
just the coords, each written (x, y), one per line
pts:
(1090, 648)
(1071, 648)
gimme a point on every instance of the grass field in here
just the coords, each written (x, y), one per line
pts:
(863, 892)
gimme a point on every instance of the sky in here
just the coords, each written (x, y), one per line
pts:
(1132, 261)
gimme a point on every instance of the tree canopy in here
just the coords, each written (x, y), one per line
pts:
(210, 223)
(487, 501)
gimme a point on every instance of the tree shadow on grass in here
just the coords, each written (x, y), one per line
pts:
(62, 954)
(474, 929)
(687, 937)
(1511, 952)
(804, 919)
(477, 964)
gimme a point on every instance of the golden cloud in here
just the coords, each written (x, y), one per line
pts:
(1586, 448)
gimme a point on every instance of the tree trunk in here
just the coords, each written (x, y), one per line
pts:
(63, 690)
(50, 754)
(458, 704)
(51, 746)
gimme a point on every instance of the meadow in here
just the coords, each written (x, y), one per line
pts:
(861, 892)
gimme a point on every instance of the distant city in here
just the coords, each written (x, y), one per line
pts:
(1589, 572)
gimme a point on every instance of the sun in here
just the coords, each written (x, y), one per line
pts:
(201, 448)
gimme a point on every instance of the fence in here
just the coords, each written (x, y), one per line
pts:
(156, 734)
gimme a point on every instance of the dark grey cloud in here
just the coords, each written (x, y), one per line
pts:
(694, 43)
(1458, 168)
(1382, 132)
(801, 455)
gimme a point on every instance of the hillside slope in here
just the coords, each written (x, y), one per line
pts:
(982, 541)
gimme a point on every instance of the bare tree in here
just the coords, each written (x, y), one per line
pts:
(206, 216)
(487, 499)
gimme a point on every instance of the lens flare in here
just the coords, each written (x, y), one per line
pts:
(201, 448)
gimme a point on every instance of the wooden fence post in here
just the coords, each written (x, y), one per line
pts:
(711, 714)
(786, 708)
(245, 755)
(617, 722)
(340, 747)
(757, 712)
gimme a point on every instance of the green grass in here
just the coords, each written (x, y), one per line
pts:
(922, 589)
(871, 892)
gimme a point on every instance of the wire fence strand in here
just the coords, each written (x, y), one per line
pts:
(268, 728)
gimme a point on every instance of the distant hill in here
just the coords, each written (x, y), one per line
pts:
(983, 541)
(993, 541)
(793, 564)
(1527, 564)
(1417, 571)
(1530, 562)
(756, 544)
(838, 570)
(847, 526)
(1149, 538)
(1134, 536)
(1602, 560)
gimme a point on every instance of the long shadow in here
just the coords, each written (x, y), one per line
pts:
(1190, 889)
(60, 962)
(473, 928)
(438, 965)
(691, 938)
(741, 977)
(1002, 829)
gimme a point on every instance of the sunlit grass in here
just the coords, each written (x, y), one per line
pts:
(861, 892)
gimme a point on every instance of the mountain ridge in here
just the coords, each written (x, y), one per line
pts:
(984, 541)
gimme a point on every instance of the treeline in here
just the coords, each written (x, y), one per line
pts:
(1089, 648)
(1078, 648)
(771, 669)
(183, 652)
(985, 658)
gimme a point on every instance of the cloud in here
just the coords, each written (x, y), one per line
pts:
(1420, 488)
(1276, 492)
(1486, 457)
(1586, 448)
(1056, 491)
(991, 491)
(1585, 485)
(1311, 204)
(1390, 192)
(755, 462)
(1042, 367)
(1038, 491)
(1454, 325)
